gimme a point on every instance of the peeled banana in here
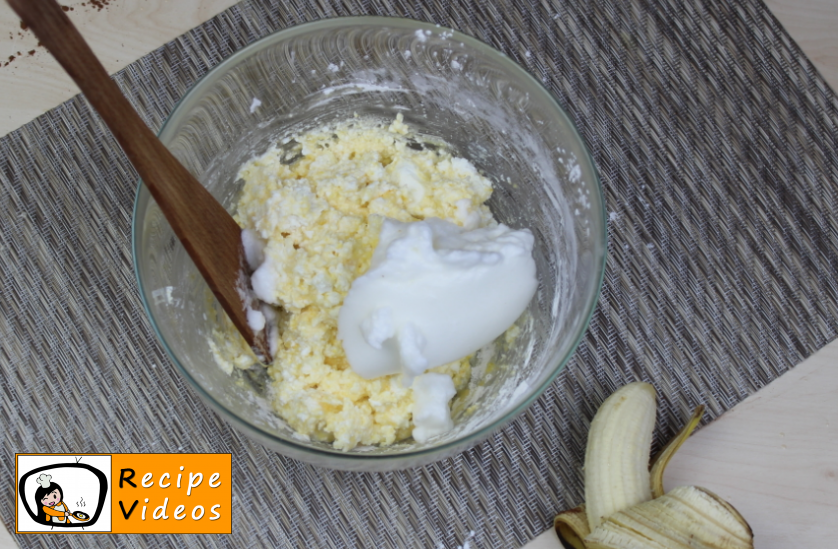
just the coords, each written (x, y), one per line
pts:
(625, 505)
(617, 456)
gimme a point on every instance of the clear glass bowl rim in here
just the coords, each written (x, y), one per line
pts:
(412, 24)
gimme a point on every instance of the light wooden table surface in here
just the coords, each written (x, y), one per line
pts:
(784, 438)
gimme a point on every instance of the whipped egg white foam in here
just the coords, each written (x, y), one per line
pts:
(434, 293)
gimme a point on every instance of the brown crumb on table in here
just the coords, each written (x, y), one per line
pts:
(98, 5)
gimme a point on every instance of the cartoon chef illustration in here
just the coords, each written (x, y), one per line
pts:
(49, 500)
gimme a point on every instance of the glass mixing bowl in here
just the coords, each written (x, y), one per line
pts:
(447, 85)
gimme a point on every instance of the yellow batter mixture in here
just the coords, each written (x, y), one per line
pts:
(320, 217)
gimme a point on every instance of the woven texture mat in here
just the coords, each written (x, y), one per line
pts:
(715, 139)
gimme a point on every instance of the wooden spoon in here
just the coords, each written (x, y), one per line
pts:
(210, 235)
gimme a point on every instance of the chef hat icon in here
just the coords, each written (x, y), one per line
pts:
(44, 480)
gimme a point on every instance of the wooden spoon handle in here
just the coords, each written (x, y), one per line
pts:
(210, 235)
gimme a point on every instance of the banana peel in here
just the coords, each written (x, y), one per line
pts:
(688, 517)
(662, 459)
(572, 527)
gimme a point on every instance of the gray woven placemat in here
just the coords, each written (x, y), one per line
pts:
(715, 139)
